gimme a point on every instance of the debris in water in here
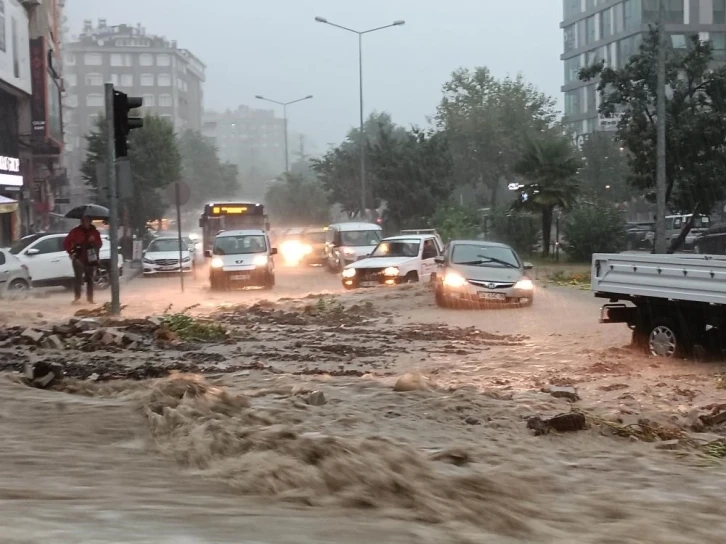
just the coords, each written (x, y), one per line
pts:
(412, 381)
(563, 423)
(566, 392)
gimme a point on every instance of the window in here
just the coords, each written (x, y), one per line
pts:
(164, 80)
(606, 23)
(49, 245)
(93, 59)
(674, 12)
(165, 100)
(572, 102)
(591, 94)
(114, 79)
(719, 12)
(571, 8)
(572, 69)
(127, 80)
(2, 253)
(590, 30)
(117, 59)
(618, 18)
(3, 46)
(632, 14)
(145, 59)
(569, 36)
(70, 59)
(679, 41)
(147, 80)
(94, 100)
(149, 100)
(718, 42)
(94, 80)
(397, 248)
(72, 100)
(163, 60)
(429, 250)
(71, 80)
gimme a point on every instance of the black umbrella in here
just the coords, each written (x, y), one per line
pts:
(94, 211)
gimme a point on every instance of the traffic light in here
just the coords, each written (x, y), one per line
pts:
(122, 123)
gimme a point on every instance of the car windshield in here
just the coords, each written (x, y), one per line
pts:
(20, 245)
(397, 248)
(480, 255)
(240, 245)
(353, 238)
(189, 242)
(167, 244)
(315, 237)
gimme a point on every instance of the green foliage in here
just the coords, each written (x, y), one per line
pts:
(593, 226)
(295, 200)
(517, 228)
(605, 169)
(208, 178)
(457, 223)
(192, 329)
(695, 131)
(155, 163)
(549, 166)
(486, 121)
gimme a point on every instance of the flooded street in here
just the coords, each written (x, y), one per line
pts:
(370, 416)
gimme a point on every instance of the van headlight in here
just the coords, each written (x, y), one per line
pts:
(217, 262)
(349, 272)
(260, 260)
(452, 279)
(391, 271)
(525, 285)
(348, 251)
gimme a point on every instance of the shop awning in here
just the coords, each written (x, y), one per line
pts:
(8, 205)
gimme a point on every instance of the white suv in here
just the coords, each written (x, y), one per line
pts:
(241, 258)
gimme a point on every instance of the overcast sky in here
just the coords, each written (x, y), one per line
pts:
(275, 48)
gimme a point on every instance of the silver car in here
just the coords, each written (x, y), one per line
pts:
(475, 272)
(15, 277)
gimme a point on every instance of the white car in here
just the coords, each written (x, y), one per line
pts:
(49, 264)
(349, 242)
(14, 275)
(242, 258)
(395, 260)
(162, 256)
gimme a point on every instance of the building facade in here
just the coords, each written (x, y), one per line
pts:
(169, 79)
(31, 124)
(252, 139)
(612, 31)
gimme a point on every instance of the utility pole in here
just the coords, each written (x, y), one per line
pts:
(112, 198)
(660, 246)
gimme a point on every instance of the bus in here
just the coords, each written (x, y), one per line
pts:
(219, 216)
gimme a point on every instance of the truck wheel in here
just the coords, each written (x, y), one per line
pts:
(665, 340)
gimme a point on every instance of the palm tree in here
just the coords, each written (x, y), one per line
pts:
(548, 165)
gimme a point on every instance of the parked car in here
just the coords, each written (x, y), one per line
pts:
(348, 242)
(49, 264)
(241, 258)
(162, 256)
(395, 260)
(14, 275)
(314, 239)
(482, 273)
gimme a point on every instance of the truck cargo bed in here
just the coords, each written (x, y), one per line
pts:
(694, 278)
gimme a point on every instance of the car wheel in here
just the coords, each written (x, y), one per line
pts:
(411, 277)
(269, 282)
(18, 287)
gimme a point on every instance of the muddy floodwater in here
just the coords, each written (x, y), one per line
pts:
(355, 418)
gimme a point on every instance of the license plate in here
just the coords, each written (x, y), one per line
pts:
(240, 276)
(369, 284)
(166, 268)
(492, 296)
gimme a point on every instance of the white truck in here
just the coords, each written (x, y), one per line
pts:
(671, 302)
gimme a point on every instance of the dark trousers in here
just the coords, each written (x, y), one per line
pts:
(83, 272)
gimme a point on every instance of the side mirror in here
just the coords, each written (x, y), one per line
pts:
(32, 251)
(273, 251)
(528, 266)
(439, 259)
(207, 254)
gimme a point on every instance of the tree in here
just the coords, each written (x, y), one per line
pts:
(605, 168)
(155, 163)
(487, 121)
(293, 200)
(457, 222)
(696, 130)
(549, 166)
(208, 178)
(593, 225)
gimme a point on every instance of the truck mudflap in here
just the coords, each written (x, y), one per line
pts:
(618, 313)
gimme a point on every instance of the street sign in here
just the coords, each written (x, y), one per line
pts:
(62, 200)
(185, 193)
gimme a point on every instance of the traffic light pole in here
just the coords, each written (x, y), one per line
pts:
(112, 199)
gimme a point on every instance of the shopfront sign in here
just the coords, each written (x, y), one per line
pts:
(10, 172)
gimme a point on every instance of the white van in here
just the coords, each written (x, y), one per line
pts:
(348, 242)
(241, 258)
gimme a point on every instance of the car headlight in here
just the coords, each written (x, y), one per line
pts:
(148, 261)
(348, 251)
(349, 272)
(186, 259)
(391, 271)
(307, 249)
(452, 279)
(525, 284)
(260, 260)
(217, 262)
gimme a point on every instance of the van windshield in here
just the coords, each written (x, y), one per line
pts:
(240, 245)
(358, 238)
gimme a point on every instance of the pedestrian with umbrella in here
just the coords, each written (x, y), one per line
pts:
(82, 245)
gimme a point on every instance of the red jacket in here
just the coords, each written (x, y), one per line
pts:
(78, 240)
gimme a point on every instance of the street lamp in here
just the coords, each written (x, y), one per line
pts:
(284, 115)
(360, 75)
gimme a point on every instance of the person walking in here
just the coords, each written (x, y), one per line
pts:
(82, 245)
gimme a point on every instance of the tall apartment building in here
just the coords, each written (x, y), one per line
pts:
(169, 79)
(612, 30)
(252, 139)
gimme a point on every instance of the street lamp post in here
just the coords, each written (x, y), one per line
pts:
(362, 144)
(284, 116)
